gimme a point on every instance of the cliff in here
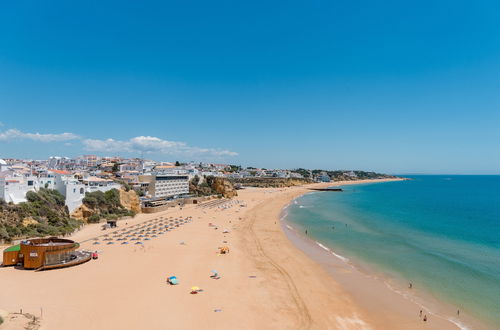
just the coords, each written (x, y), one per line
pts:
(224, 187)
(212, 186)
(130, 200)
(112, 204)
(270, 182)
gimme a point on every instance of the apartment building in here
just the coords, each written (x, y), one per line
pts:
(166, 185)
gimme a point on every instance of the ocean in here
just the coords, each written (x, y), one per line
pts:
(441, 233)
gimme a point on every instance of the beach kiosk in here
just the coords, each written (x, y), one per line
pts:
(45, 253)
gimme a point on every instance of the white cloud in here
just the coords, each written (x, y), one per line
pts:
(13, 134)
(151, 144)
(139, 144)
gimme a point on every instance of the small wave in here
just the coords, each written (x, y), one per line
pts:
(344, 259)
(323, 247)
(289, 227)
(301, 206)
(458, 323)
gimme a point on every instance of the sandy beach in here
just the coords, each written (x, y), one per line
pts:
(266, 281)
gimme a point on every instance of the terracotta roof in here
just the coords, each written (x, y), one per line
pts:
(60, 172)
(95, 179)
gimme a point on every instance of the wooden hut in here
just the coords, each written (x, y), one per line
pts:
(11, 255)
(44, 253)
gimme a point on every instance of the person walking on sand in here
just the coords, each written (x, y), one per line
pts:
(306, 231)
(420, 313)
(425, 318)
(410, 285)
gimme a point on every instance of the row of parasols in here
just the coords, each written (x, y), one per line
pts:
(142, 232)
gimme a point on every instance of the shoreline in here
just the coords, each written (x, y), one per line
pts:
(363, 276)
(266, 281)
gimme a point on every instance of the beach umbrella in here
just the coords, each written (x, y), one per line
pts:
(124, 242)
(96, 243)
(195, 288)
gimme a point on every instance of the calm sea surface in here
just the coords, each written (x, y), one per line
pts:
(439, 232)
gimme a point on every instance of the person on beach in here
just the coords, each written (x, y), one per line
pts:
(420, 313)
(306, 231)
(425, 318)
(410, 285)
(458, 312)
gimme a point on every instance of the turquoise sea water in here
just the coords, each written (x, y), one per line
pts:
(439, 232)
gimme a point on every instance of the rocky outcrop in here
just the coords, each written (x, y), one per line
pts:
(224, 187)
(29, 221)
(210, 185)
(271, 182)
(83, 213)
(130, 200)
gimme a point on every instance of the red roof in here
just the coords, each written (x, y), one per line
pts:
(61, 172)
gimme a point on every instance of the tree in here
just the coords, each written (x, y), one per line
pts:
(116, 167)
(177, 163)
(196, 180)
(234, 168)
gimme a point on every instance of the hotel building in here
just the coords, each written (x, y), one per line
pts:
(166, 185)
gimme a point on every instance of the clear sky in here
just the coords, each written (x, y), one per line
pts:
(391, 86)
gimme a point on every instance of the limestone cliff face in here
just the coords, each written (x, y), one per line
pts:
(83, 213)
(130, 200)
(224, 187)
(271, 182)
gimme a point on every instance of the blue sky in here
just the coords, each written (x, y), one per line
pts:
(395, 87)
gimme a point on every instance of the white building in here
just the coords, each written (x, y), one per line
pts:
(3, 165)
(166, 185)
(74, 190)
(14, 187)
(130, 167)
